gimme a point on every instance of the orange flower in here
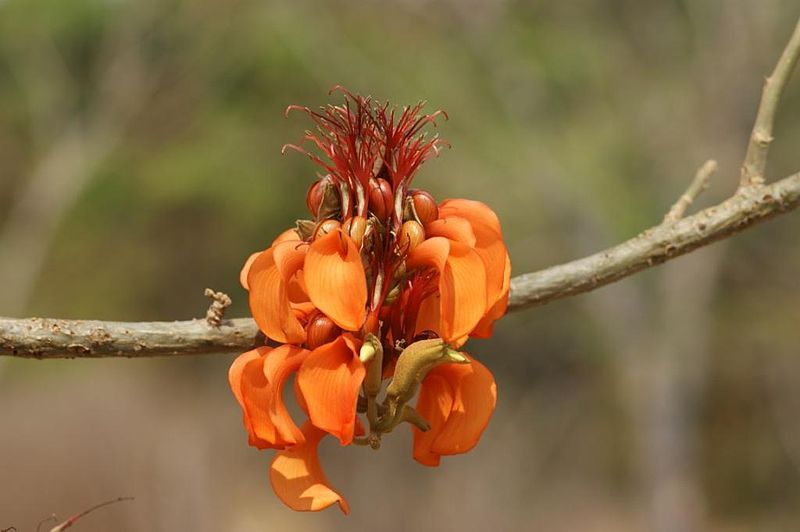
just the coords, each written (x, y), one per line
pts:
(376, 292)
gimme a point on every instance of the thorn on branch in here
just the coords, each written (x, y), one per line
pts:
(700, 182)
(220, 302)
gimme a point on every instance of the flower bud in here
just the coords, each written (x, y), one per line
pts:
(323, 199)
(380, 198)
(411, 235)
(424, 206)
(321, 330)
(314, 197)
(326, 227)
(355, 228)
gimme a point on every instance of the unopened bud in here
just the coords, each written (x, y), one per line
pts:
(411, 235)
(380, 198)
(355, 228)
(323, 199)
(321, 330)
(424, 207)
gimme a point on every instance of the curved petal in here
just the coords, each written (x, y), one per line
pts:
(257, 379)
(452, 227)
(488, 241)
(255, 360)
(435, 403)
(297, 477)
(290, 235)
(335, 279)
(458, 401)
(279, 364)
(268, 279)
(431, 252)
(476, 212)
(429, 317)
(246, 269)
(498, 309)
(462, 289)
(462, 284)
(329, 379)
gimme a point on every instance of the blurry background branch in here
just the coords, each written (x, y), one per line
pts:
(752, 203)
(70, 139)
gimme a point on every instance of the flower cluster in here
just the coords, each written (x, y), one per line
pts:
(369, 303)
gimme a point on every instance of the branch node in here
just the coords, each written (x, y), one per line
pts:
(220, 302)
(700, 182)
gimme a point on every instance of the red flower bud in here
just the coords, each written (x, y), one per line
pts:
(314, 197)
(321, 330)
(411, 235)
(425, 206)
(380, 198)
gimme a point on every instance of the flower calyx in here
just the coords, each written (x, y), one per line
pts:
(412, 365)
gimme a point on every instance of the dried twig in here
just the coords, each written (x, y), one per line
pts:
(696, 187)
(74, 519)
(219, 302)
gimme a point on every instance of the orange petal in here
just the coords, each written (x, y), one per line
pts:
(454, 228)
(335, 279)
(290, 235)
(279, 364)
(429, 317)
(462, 286)
(257, 378)
(488, 239)
(458, 401)
(298, 479)
(246, 269)
(432, 252)
(236, 372)
(329, 380)
(490, 246)
(435, 403)
(476, 212)
(268, 279)
(486, 325)
(462, 283)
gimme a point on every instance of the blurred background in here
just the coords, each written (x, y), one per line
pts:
(140, 163)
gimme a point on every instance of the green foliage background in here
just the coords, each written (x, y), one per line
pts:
(644, 406)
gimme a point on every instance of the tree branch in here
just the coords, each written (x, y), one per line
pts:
(752, 203)
(700, 182)
(50, 338)
(755, 161)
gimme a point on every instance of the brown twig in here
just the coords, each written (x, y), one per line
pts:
(74, 519)
(696, 187)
